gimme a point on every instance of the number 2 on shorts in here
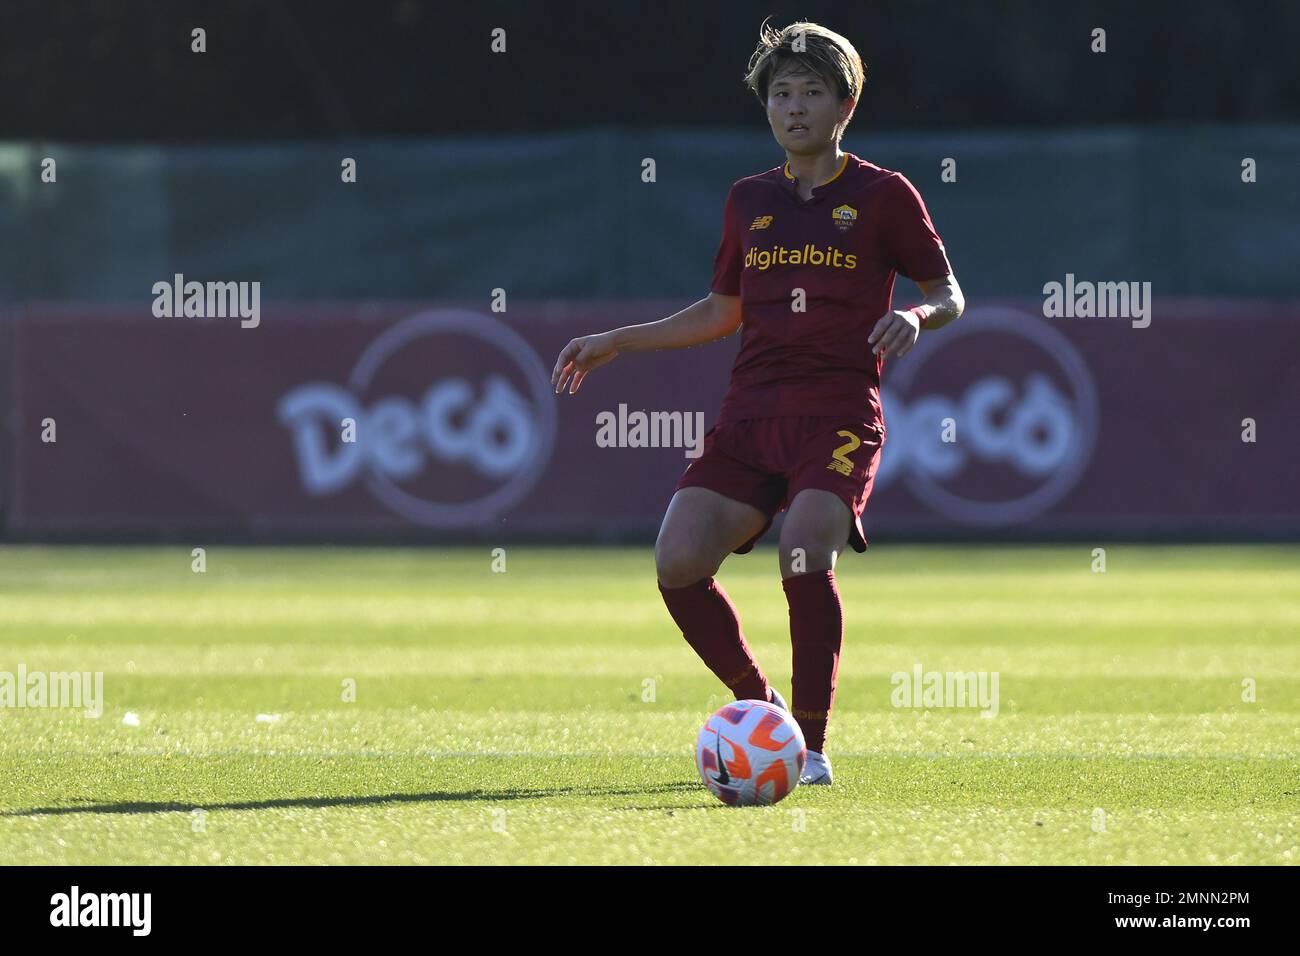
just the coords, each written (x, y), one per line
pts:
(839, 457)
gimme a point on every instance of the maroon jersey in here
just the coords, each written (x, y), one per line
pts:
(843, 248)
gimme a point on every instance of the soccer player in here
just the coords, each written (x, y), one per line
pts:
(806, 270)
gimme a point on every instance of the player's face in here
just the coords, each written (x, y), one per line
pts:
(803, 111)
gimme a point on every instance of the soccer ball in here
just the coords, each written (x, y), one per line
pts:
(750, 753)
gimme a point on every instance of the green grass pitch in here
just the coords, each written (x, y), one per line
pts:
(547, 714)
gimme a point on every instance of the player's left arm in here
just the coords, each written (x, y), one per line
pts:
(896, 332)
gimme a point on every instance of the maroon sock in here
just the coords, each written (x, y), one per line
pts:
(711, 626)
(816, 634)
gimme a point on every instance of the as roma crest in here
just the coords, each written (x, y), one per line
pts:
(845, 216)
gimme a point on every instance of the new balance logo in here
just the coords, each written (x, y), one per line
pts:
(760, 222)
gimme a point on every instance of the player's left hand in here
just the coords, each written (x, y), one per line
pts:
(895, 334)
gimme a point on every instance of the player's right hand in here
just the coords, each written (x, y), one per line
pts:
(579, 357)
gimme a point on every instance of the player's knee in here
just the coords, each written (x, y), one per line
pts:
(677, 565)
(808, 552)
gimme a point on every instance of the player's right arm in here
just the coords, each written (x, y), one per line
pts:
(708, 320)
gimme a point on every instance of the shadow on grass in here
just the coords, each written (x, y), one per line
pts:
(437, 796)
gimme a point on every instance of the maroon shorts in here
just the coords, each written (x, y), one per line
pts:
(765, 462)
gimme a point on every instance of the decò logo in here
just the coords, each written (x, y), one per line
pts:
(991, 421)
(453, 420)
